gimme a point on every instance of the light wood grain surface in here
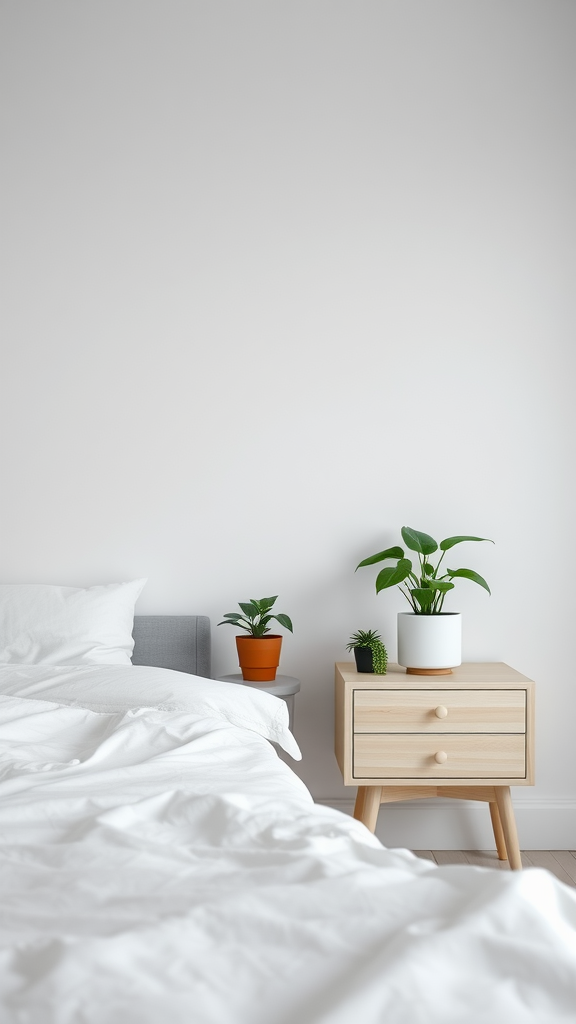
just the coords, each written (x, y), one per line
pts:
(481, 717)
(561, 863)
(413, 756)
(469, 675)
(439, 711)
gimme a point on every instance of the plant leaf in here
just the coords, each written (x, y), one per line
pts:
(250, 609)
(393, 575)
(388, 553)
(423, 597)
(445, 545)
(284, 620)
(428, 569)
(469, 574)
(417, 541)
(265, 603)
(363, 638)
(442, 585)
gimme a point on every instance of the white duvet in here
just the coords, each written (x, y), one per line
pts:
(161, 865)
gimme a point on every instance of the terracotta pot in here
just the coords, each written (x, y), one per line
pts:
(259, 657)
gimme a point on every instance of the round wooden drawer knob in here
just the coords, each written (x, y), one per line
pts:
(441, 711)
(441, 757)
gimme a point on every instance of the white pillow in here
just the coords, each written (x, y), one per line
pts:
(43, 625)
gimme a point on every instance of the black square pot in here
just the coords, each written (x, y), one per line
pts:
(364, 660)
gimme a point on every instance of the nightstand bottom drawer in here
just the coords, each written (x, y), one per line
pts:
(413, 756)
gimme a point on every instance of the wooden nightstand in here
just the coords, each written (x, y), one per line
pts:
(467, 735)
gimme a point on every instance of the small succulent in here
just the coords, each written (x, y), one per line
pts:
(372, 639)
(256, 617)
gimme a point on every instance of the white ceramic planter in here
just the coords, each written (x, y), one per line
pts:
(429, 644)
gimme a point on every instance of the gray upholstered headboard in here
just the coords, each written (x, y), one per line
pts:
(181, 642)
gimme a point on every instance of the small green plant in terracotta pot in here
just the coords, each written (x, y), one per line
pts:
(259, 649)
(370, 653)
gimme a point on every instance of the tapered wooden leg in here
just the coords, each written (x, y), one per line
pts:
(498, 832)
(367, 805)
(506, 810)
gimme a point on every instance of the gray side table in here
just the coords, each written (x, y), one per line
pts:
(285, 687)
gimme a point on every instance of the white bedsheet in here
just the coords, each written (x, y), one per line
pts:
(160, 867)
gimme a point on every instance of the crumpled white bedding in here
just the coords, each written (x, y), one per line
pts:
(164, 866)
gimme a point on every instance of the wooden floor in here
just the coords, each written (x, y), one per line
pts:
(561, 863)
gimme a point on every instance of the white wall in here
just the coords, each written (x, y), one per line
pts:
(281, 277)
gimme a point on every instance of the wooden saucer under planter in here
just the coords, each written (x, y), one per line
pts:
(259, 657)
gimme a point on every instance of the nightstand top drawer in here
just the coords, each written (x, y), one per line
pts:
(443, 710)
(439, 758)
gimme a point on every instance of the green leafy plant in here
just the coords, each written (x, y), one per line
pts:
(371, 639)
(424, 589)
(256, 616)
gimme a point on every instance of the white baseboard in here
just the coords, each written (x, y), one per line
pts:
(465, 825)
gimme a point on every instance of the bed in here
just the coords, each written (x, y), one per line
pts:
(159, 862)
